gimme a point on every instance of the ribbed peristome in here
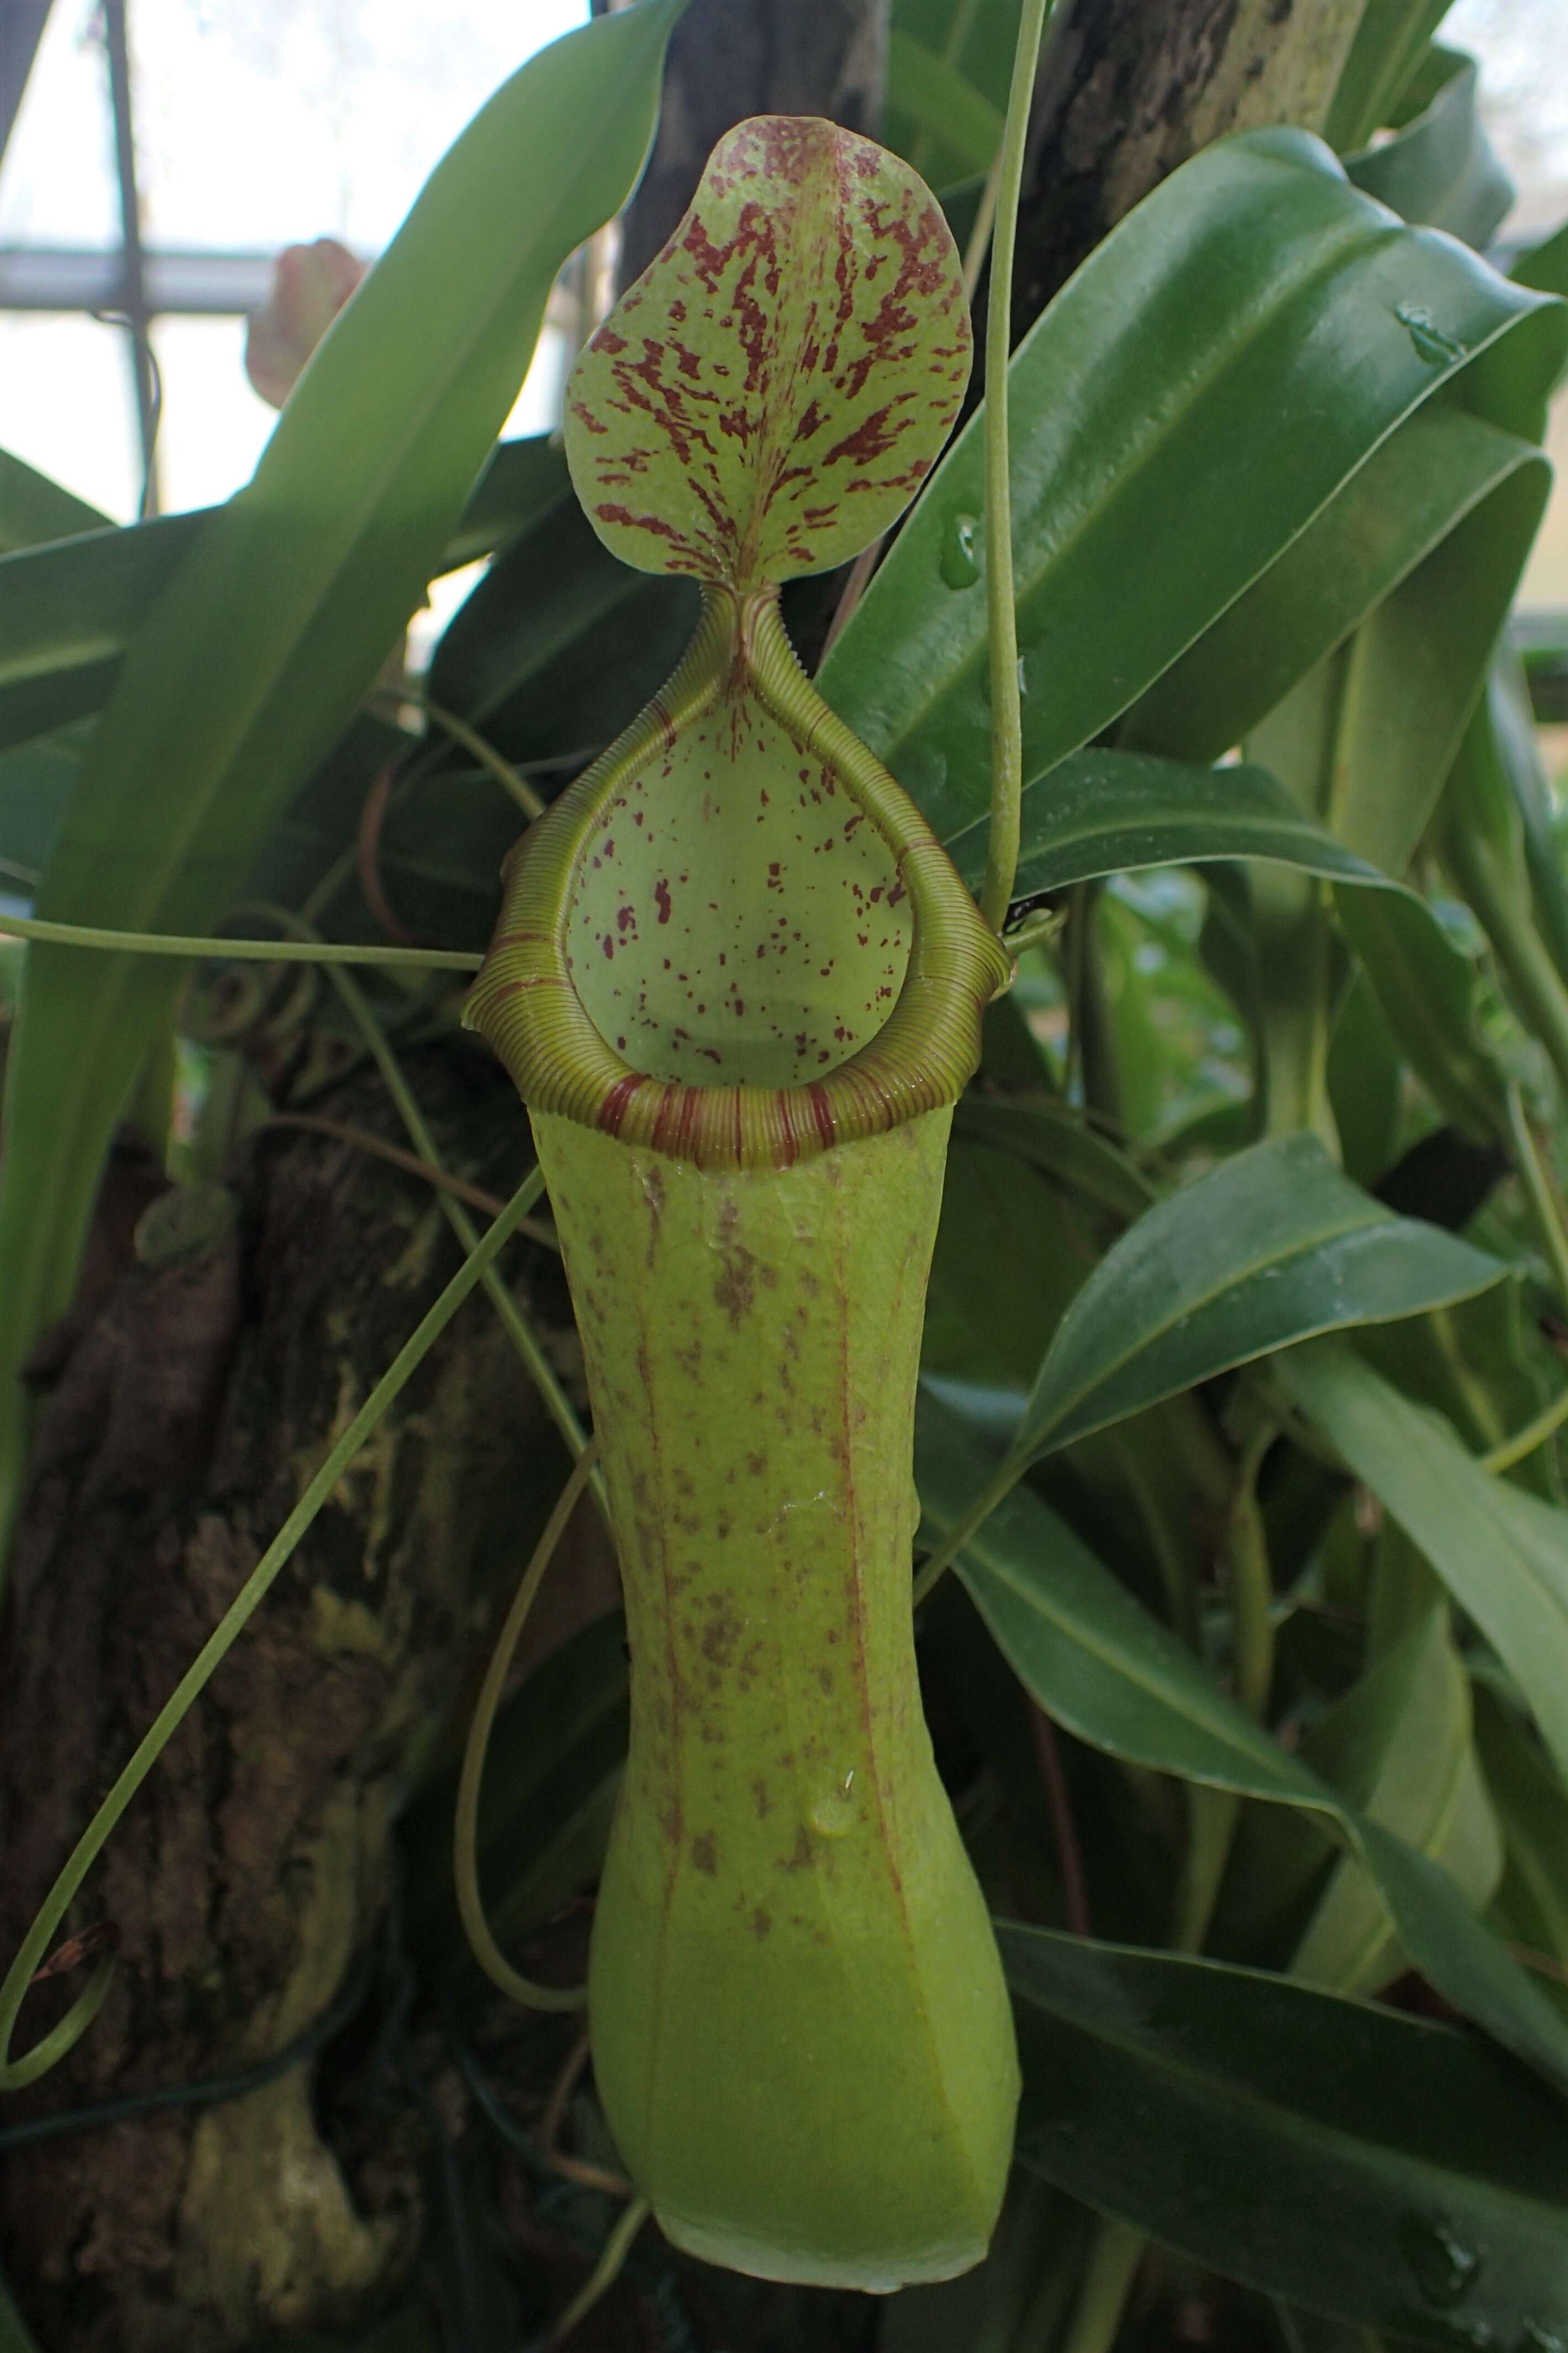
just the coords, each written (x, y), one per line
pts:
(530, 1002)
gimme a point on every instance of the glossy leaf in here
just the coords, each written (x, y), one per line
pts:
(254, 659)
(1532, 1808)
(439, 852)
(1412, 1716)
(1518, 755)
(806, 351)
(1418, 667)
(36, 782)
(66, 612)
(559, 646)
(1382, 2170)
(1433, 530)
(1274, 1245)
(978, 41)
(1502, 1554)
(1105, 812)
(33, 510)
(1365, 1081)
(1427, 988)
(15, 2335)
(1439, 167)
(520, 480)
(1058, 1141)
(994, 1292)
(1390, 42)
(1485, 1365)
(1113, 1676)
(1297, 327)
(941, 102)
(1544, 265)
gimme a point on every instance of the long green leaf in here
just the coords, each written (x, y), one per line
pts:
(1376, 2167)
(1502, 1554)
(1426, 986)
(559, 646)
(1532, 1806)
(1105, 812)
(1439, 167)
(1414, 1711)
(68, 612)
(254, 659)
(1446, 497)
(1296, 325)
(1054, 1139)
(15, 2335)
(941, 101)
(33, 510)
(1108, 1671)
(1544, 265)
(1274, 1245)
(1390, 40)
(35, 784)
(1517, 748)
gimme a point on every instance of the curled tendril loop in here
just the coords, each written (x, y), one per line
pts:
(246, 1004)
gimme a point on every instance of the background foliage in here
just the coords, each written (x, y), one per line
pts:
(1243, 1363)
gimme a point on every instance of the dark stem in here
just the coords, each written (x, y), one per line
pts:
(1069, 1858)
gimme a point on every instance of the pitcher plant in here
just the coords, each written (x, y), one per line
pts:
(739, 985)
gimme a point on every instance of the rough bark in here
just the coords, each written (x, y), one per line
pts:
(185, 1412)
(1128, 91)
(732, 59)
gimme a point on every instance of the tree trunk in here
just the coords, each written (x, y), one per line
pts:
(1128, 91)
(732, 59)
(185, 1415)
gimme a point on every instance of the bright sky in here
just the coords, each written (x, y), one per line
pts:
(260, 123)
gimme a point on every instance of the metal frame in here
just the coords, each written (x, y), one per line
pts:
(22, 26)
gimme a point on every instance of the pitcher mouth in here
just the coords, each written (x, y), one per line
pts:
(935, 964)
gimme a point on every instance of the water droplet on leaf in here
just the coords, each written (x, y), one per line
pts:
(1428, 338)
(834, 1816)
(1445, 2265)
(960, 566)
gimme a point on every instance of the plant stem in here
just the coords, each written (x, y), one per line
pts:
(1539, 1192)
(1172, 1547)
(530, 803)
(53, 2046)
(1114, 2255)
(1006, 706)
(1212, 1817)
(1070, 1855)
(14, 2335)
(466, 1826)
(605, 2271)
(362, 1139)
(91, 936)
(1213, 1814)
(1251, 1585)
(958, 1535)
(1524, 1442)
(519, 1330)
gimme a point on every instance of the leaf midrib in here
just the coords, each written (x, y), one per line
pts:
(1145, 1339)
